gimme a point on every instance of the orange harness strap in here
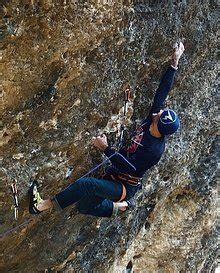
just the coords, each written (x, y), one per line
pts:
(123, 193)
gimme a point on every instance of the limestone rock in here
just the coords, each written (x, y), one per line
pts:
(65, 65)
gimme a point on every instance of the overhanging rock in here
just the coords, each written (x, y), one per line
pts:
(64, 68)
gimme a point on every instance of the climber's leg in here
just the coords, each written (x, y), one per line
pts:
(98, 206)
(85, 187)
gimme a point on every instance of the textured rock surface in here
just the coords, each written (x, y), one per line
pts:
(90, 52)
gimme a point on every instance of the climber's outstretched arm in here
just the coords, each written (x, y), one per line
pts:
(167, 79)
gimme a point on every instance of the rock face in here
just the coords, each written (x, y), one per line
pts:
(65, 65)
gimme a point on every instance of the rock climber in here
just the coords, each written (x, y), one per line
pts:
(112, 192)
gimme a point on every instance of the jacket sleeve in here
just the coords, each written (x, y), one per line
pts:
(165, 86)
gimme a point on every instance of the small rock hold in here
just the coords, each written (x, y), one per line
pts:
(18, 156)
(77, 102)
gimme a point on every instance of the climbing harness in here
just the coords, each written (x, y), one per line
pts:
(123, 195)
(132, 180)
(15, 197)
(127, 94)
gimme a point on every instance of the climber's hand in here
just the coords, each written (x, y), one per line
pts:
(100, 142)
(177, 53)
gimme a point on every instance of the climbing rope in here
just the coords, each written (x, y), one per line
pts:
(85, 175)
(9, 231)
(70, 169)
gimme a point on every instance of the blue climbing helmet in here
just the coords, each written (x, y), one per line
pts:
(168, 122)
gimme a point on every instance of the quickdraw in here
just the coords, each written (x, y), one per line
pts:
(15, 197)
(127, 94)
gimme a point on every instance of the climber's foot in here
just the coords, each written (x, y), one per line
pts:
(122, 206)
(125, 205)
(35, 198)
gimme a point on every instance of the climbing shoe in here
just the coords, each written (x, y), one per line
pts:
(35, 198)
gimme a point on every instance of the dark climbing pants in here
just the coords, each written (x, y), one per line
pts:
(93, 196)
